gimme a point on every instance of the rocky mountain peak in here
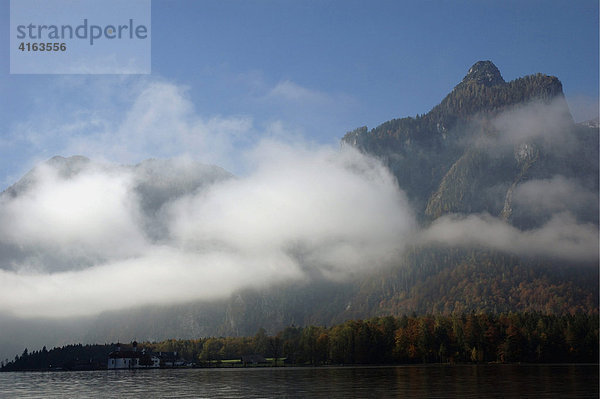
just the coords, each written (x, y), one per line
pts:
(485, 73)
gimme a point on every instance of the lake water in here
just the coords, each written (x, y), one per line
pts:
(434, 381)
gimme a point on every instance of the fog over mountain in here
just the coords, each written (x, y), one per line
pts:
(80, 238)
(526, 174)
(93, 251)
(498, 165)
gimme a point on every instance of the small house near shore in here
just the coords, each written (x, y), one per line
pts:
(132, 358)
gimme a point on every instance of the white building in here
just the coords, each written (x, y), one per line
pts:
(131, 359)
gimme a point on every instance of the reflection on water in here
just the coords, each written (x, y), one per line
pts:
(436, 381)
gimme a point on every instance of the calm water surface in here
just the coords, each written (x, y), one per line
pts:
(501, 381)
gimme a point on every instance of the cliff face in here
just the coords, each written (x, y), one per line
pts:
(485, 138)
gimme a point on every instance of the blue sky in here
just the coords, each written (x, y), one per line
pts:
(227, 73)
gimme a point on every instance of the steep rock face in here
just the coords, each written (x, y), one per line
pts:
(465, 155)
(460, 188)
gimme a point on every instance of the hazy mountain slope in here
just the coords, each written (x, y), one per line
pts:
(426, 282)
(156, 180)
(505, 186)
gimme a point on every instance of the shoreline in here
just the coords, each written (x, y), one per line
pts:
(302, 366)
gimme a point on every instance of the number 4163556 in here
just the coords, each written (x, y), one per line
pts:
(42, 46)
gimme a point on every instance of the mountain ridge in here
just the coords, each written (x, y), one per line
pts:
(438, 158)
(509, 151)
(430, 280)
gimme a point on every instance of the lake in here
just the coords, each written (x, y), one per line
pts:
(431, 381)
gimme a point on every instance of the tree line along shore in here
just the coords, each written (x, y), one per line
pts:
(465, 338)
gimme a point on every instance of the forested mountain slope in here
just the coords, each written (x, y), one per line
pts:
(506, 155)
(504, 186)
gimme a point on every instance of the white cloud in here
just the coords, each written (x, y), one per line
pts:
(561, 238)
(84, 243)
(93, 215)
(129, 120)
(324, 207)
(551, 123)
(162, 122)
(162, 275)
(290, 91)
(557, 194)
